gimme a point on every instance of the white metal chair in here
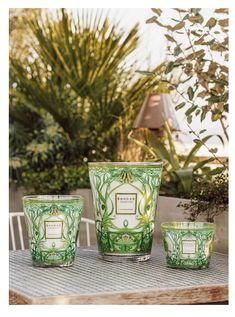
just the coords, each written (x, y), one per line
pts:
(19, 216)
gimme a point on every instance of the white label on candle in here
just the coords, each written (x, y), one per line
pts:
(126, 204)
(53, 229)
(188, 246)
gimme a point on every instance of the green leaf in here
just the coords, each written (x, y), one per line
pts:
(190, 110)
(157, 11)
(224, 97)
(196, 34)
(223, 23)
(190, 93)
(202, 94)
(226, 107)
(161, 151)
(169, 38)
(202, 163)
(218, 47)
(175, 20)
(169, 67)
(195, 10)
(222, 10)
(214, 98)
(152, 20)
(216, 171)
(185, 176)
(203, 115)
(221, 139)
(146, 148)
(179, 106)
(189, 119)
(145, 72)
(195, 149)
(196, 19)
(213, 150)
(155, 20)
(180, 10)
(199, 41)
(202, 131)
(211, 22)
(177, 50)
(199, 54)
(178, 26)
(216, 116)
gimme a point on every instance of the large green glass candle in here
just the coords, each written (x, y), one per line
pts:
(188, 244)
(53, 225)
(125, 200)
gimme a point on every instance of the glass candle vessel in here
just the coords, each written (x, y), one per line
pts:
(53, 225)
(188, 244)
(125, 200)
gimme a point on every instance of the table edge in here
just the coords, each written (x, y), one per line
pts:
(179, 295)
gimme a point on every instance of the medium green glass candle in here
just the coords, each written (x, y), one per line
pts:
(188, 244)
(125, 200)
(53, 225)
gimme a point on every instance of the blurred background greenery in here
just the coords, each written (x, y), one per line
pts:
(73, 95)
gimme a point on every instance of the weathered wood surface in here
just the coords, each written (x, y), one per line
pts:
(94, 281)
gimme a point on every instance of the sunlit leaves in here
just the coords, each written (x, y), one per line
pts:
(79, 76)
(193, 47)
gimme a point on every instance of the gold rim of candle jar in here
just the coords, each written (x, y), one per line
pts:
(187, 225)
(52, 198)
(127, 164)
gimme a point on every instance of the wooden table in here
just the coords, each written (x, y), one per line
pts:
(93, 281)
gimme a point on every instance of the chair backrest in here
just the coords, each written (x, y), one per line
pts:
(17, 223)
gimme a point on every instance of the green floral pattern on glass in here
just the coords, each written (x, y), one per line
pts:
(53, 227)
(188, 247)
(125, 199)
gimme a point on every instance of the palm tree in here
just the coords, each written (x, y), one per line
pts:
(77, 72)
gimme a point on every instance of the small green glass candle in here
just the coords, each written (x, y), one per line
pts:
(125, 200)
(188, 244)
(53, 223)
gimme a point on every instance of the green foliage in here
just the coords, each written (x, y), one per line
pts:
(202, 62)
(198, 72)
(179, 172)
(61, 179)
(69, 97)
(208, 198)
